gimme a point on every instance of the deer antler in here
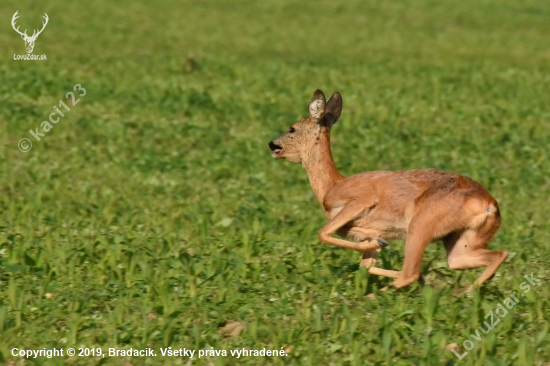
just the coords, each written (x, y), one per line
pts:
(43, 26)
(13, 24)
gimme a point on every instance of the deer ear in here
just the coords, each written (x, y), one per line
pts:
(333, 109)
(317, 106)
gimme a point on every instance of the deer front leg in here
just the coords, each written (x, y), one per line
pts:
(350, 212)
(369, 258)
(368, 261)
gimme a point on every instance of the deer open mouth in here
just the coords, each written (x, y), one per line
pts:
(275, 148)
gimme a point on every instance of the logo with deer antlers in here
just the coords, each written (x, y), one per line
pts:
(29, 41)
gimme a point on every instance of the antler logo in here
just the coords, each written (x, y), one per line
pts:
(29, 41)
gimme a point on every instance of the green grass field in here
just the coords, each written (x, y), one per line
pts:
(152, 214)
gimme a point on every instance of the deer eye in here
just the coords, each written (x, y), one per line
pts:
(291, 130)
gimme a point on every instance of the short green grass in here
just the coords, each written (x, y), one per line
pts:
(152, 214)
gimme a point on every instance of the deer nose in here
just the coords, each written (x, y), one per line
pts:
(273, 146)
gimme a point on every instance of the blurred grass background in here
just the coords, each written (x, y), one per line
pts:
(152, 214)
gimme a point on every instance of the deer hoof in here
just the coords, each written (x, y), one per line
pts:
(382, 243)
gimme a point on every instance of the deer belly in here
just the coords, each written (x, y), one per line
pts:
(383, 229)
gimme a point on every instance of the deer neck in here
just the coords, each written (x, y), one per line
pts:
(319, 164)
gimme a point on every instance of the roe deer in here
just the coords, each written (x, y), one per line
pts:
(419, 206)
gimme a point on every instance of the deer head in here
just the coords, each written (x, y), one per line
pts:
(304, 135)
(29, 41)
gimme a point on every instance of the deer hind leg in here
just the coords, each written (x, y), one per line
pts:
(351, 211)
(467, 250)
(415, 245)
(421, 231)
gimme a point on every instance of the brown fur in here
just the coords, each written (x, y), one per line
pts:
(419, 206)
